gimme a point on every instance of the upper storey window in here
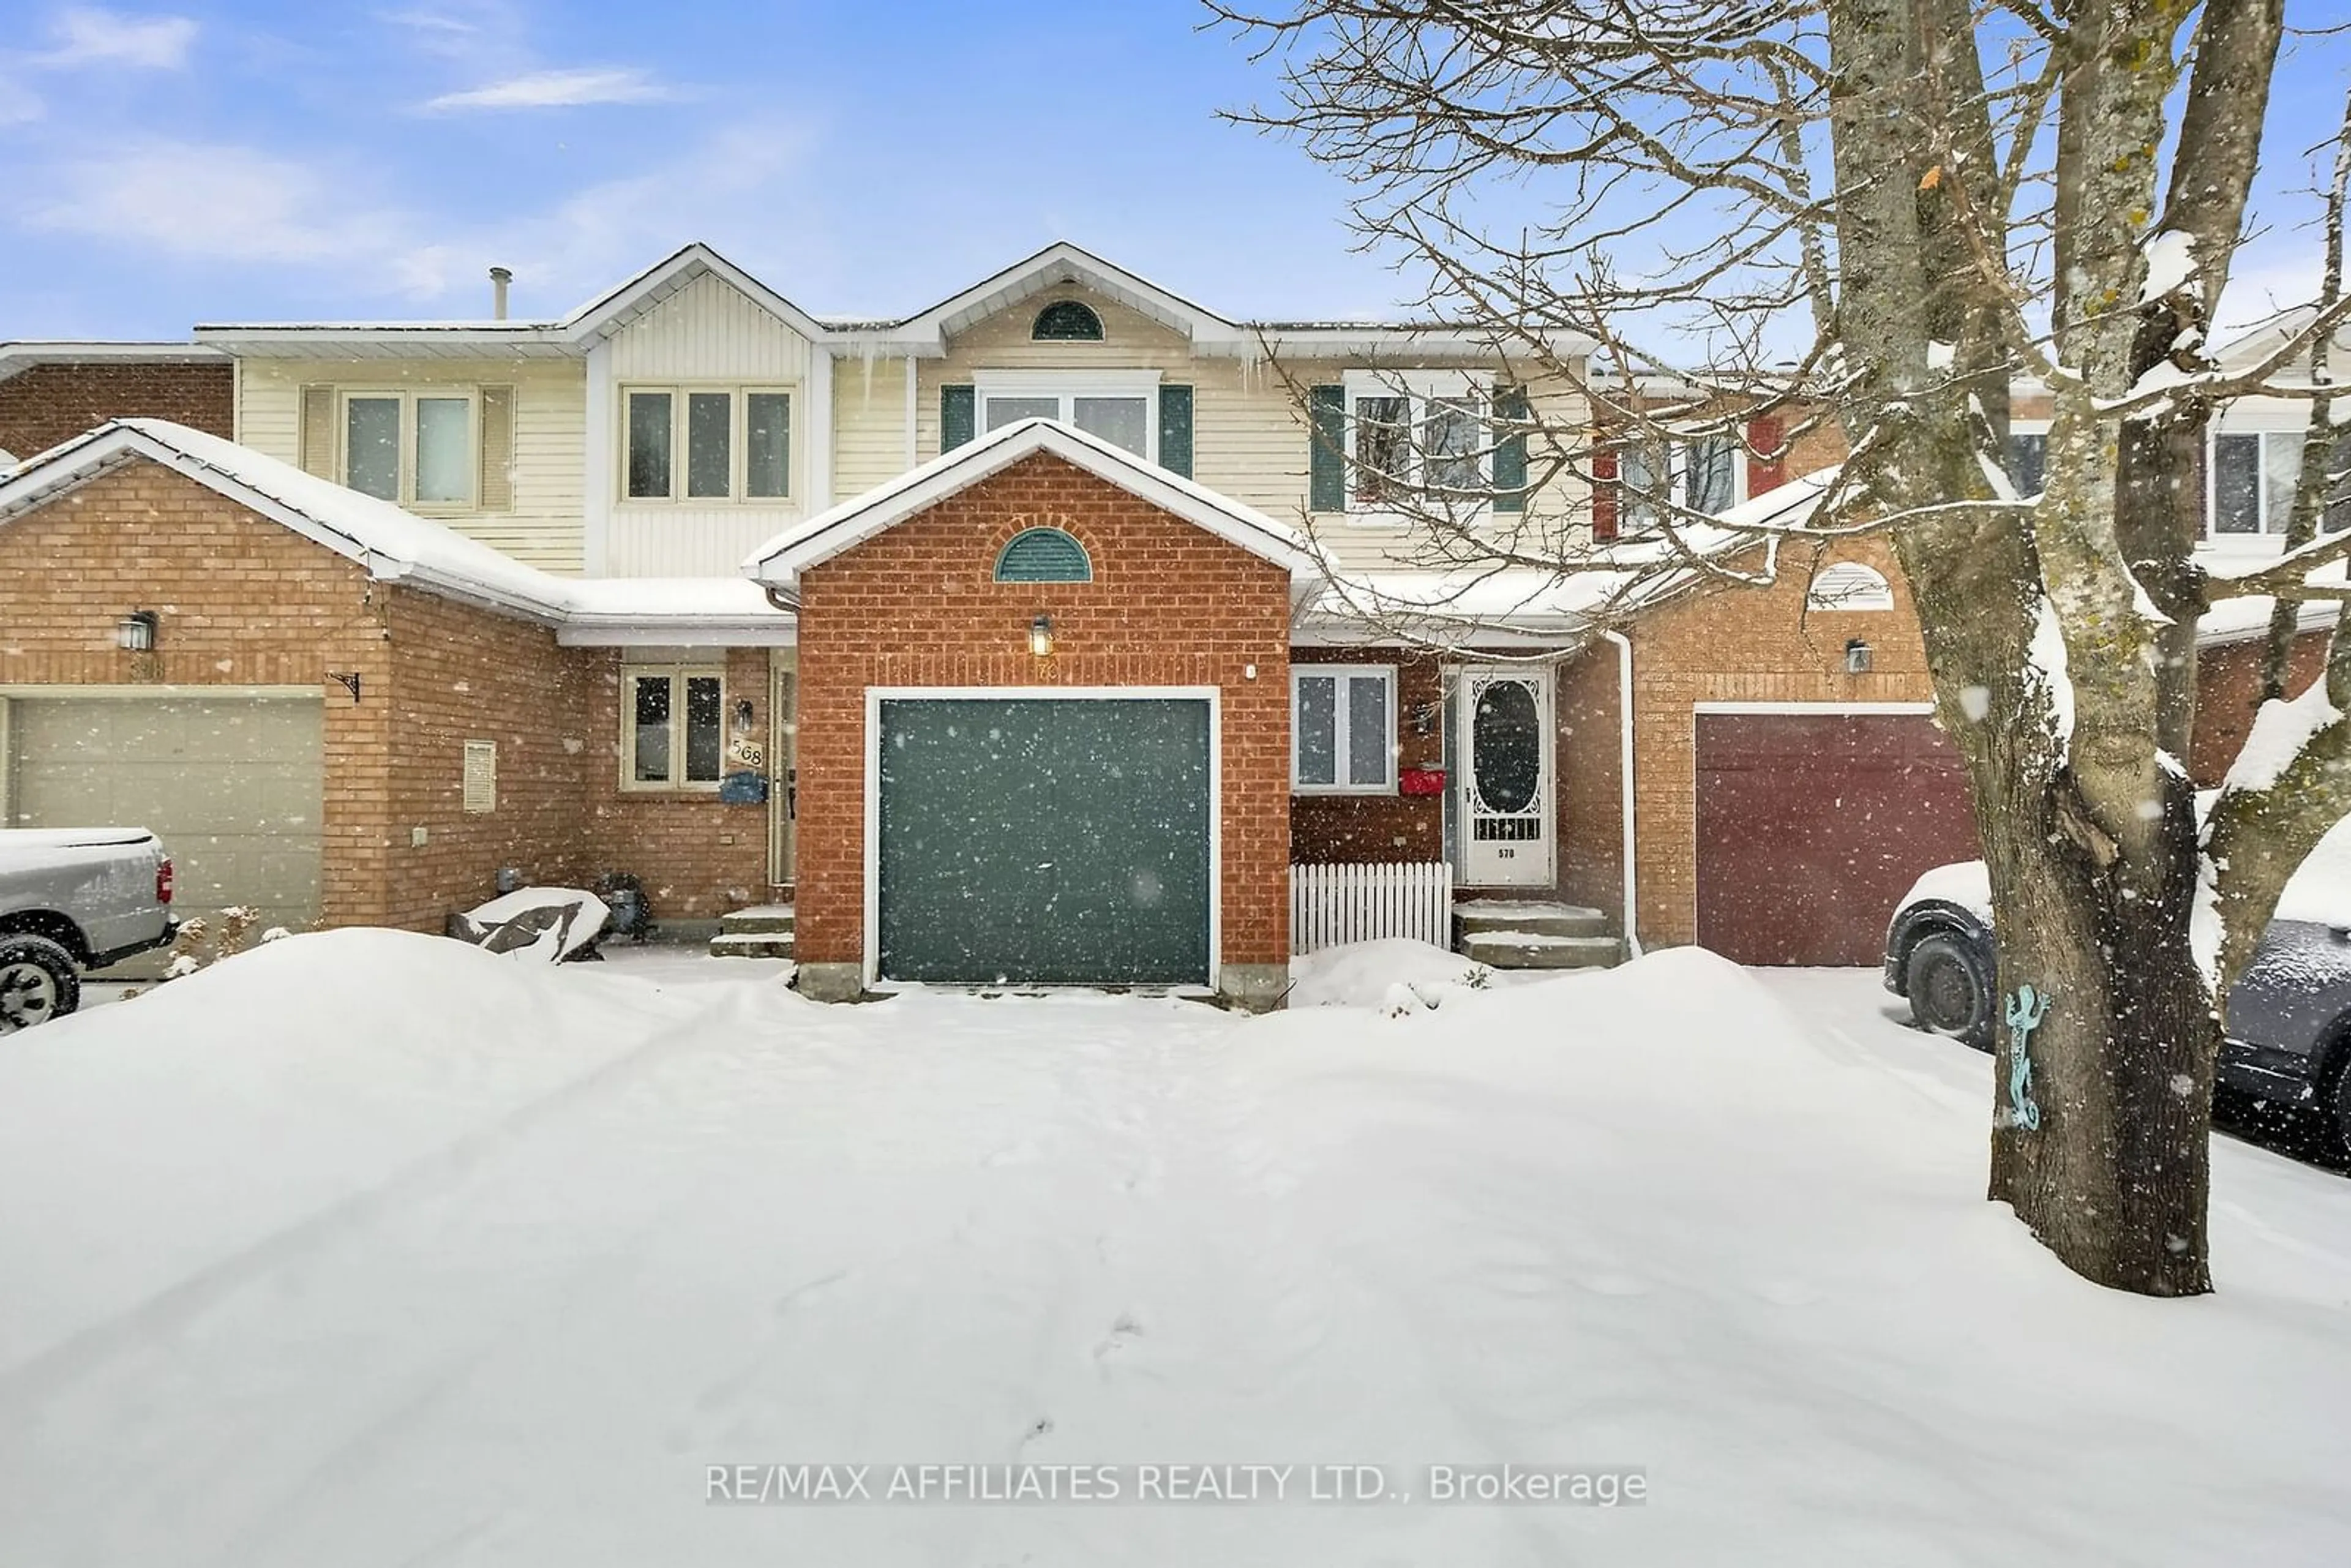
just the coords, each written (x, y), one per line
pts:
(1123, 407)
(1067, 321)
(411, 448)
(707, 444)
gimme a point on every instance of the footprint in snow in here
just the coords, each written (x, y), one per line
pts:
(1021, 1154)
(1123, 1333)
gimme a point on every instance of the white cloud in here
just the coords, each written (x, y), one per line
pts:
(87, 37)
(557, 89)
(19, 105)
(215, 203)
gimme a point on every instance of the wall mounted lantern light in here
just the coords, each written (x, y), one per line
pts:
(136, 632)
(1040, 636)
(1857, 657)
(745, 716)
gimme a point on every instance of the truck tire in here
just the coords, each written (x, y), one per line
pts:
(1950, 988)
(38, 982)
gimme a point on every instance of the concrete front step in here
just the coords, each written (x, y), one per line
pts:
(762, 918)
(1541, 917)
(752, 944)
(1541, 950)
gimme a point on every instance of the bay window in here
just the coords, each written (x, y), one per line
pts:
(672, 727)
(706, 444)
(1342, 729)
(411, 448)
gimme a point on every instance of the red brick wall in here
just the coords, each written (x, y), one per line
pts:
(460, 675)
(1589, 810)
(2228, 691)
(1170, 605)
(1357, 829)
(45, 404)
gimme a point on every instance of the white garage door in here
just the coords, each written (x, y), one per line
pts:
(234, 786)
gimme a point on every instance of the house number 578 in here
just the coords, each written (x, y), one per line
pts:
(1505, 854)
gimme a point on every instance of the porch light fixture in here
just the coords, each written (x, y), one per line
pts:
(1040, 636)
(743, 716)
(136, 632)
(1857, 657)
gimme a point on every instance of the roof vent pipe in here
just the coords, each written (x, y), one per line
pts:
(499, 278)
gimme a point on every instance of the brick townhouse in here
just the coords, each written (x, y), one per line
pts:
(1014, 640)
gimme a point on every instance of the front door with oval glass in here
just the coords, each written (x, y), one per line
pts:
(1505, 769)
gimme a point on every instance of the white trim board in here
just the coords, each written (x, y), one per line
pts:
(869, 856)
(1816, 710)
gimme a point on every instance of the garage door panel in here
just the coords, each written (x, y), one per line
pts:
(234, 787)
(1811, 827)
(1045, 841)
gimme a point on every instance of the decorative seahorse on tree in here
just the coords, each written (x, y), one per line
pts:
(2026, 1009)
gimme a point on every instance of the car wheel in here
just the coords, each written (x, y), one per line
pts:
(38, 982)
(1950, 988)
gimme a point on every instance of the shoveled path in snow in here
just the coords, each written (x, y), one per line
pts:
(502, 1288)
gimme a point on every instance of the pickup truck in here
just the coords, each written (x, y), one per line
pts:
(71, 899)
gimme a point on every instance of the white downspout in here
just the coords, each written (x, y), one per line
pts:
(1625, 780)
(910, 403)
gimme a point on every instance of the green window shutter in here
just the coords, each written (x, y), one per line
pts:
(1326, 483)
(958, 416)
(1510, 416)
(1176, 430)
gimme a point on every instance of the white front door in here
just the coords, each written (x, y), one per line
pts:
(1505, 767)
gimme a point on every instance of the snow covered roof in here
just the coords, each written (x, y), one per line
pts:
(781, 559)
(18, 357)
(1058, 264)
(397, 545)
(565, 337)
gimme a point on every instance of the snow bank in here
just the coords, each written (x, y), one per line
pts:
(146, 1144)
(369, 1249)
(1370, 974)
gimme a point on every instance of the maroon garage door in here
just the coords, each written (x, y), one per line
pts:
(1810, 827)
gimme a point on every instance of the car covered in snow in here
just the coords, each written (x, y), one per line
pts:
(2289, 1015)
(75, 898)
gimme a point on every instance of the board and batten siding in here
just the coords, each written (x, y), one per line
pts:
(711, 334)
(543, 526)
(1249, 439)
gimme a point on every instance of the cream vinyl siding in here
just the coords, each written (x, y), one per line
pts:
(708, 337)
(1248, 438)
(551, 418)
(869, 425)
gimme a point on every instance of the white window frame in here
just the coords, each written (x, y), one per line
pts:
(1420, 388)
(2248, 419)
(677, 675)
(1676, 448)
(1342, 717)
(739, 448)
(407, 397)
(2039, 427)
(1069, 386)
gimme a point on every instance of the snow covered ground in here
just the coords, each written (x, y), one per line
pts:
(371, 1248)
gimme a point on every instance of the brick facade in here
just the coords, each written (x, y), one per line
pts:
(2227, 690)
(245, 602)
(42, 405)
(1170, 605)
(1359, 829)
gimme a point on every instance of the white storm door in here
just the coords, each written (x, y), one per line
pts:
(1506, 761)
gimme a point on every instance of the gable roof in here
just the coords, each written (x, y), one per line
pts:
(1057, 264)
(780, 561)
(390, 544)
(563, 337)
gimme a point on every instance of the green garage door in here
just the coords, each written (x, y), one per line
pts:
(1044, 841)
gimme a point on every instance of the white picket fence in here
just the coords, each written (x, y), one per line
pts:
(1334, 904)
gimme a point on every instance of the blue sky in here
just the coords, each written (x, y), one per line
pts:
(282, 160)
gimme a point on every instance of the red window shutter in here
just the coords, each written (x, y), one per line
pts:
(1764, 471)
(1604, 498)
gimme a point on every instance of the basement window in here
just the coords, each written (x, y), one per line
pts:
(1342, 729)
(672, 728)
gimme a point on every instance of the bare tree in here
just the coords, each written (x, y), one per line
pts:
(1887, 213)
